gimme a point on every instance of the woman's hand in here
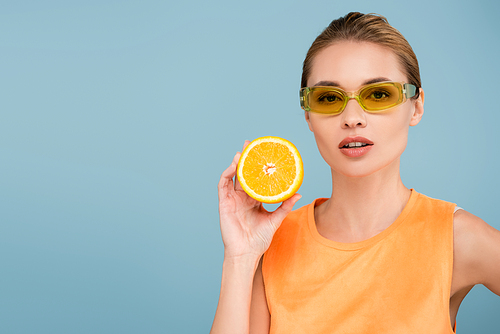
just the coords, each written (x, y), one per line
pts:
(247, 228)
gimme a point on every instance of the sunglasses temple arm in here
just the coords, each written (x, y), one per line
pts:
(411, 91)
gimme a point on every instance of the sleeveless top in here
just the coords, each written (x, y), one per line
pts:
(398, 281)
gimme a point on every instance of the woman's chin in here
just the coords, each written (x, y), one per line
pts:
(366, 169)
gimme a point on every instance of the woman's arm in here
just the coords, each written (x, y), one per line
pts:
(233, 310)
(477, 253)
(242, 304)
(260, 319)
(247, 230)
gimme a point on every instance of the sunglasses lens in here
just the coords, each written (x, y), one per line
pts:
(381, 96)
(325, 100)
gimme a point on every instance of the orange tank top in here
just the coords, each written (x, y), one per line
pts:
(398, 281)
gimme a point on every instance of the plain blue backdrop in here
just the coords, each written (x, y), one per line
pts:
(117, 118)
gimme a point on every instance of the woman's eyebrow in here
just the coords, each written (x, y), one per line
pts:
(336, 84)
(380, 79)
(327, 83)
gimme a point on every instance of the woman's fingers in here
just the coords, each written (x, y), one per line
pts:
(226, 183)
(237, 185)
(227, 180)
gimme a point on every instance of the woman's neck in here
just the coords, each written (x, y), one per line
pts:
(361, 207)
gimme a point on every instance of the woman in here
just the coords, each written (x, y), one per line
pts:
(376, 256)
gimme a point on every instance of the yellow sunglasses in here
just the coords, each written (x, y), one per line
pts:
(373, 98)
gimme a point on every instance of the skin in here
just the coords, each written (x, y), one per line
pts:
(372, 179)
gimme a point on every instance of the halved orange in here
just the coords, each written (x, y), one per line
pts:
(270, 169)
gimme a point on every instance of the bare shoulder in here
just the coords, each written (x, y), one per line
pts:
(476, 253)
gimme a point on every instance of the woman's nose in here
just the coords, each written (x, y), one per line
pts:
(353, 115)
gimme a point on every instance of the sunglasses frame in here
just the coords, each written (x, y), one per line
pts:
(406, 91)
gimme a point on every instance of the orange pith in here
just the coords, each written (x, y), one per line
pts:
(270, 169)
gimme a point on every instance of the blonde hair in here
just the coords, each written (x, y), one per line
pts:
(365, 28)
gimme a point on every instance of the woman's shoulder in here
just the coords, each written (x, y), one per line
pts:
(296, 222)
(432, 200)
(303, 213)
(299, 212)
(429, 210)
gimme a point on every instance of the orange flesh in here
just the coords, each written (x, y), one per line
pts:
(259, 173)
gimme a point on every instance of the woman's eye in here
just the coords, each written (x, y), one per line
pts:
(379, 95)
(328, 98)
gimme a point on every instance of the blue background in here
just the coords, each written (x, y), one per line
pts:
(117, 118)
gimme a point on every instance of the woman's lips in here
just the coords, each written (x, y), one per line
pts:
(355, 146)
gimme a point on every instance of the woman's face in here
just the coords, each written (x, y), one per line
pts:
(351, 65)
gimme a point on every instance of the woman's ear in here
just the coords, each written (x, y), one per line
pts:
(308, 120)
(419, 109)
